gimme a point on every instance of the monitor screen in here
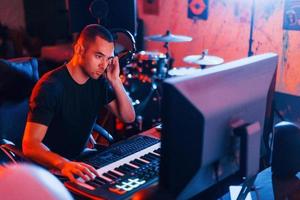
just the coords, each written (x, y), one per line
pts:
(197, 114)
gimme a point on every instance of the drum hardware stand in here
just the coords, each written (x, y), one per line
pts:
(204, 53)
(170, 60)
(250, 52)
(148, 109)
(153, 95)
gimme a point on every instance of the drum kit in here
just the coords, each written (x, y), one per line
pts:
(143, 74)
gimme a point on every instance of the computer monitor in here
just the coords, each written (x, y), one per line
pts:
(198, 112)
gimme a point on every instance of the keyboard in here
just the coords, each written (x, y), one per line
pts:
(124, 168)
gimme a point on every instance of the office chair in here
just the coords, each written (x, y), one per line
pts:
(17, 78)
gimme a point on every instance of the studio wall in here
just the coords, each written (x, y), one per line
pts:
(226, 33)
(12, 14)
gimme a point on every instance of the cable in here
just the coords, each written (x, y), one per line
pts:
(8, 154)
(278, 114)
(216, 166)
(256, 193)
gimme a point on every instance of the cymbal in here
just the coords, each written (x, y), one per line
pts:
(183, 71)
(203, 60)
(168, 37)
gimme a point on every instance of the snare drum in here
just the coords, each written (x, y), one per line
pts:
(151, 63)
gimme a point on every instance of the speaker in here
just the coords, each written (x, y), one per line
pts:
(286, 147)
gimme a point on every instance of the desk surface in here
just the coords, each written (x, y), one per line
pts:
(269, 187)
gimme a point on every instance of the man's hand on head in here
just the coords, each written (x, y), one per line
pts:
(113, 70)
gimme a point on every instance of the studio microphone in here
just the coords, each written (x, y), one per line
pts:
(99, 9)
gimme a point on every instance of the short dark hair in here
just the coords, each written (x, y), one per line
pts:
(90, 32)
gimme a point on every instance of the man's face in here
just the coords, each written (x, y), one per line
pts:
(96, 57)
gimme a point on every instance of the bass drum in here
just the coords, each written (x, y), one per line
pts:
(151, 64)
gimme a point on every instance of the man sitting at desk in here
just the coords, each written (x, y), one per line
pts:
(65, 102)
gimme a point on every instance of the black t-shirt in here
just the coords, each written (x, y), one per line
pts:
(68, 109)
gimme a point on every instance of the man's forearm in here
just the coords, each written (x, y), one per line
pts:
(124, 104)
(42, 155)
